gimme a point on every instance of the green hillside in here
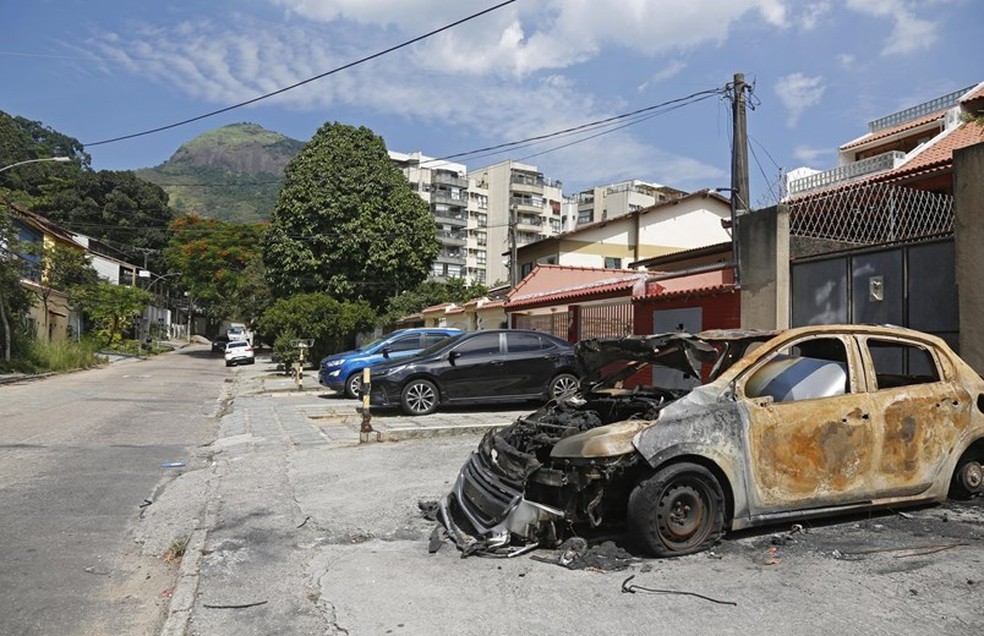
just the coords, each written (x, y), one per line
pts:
(233, 173)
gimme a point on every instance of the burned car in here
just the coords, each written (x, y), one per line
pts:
(683, 437)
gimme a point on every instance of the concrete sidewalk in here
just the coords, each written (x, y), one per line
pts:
(271, 472)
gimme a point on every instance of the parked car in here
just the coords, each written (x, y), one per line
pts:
(239, 352)
(478, 367)
(219, 344)
(808, 422)
(342, 372)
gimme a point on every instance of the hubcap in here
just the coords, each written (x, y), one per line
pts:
(682, 514)
(355, 384)
(420, 398)
(972, 476)
(564, 386)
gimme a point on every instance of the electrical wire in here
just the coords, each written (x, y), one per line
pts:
(313, 78)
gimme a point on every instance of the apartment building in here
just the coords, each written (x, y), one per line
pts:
(444, 186)
(507, 187)
(604, 202)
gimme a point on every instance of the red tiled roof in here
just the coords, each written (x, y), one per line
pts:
(437, 308)
(548, 278)
(936, 157)
(975, 93)
(700, 283)
(888, 132)
(551, 284)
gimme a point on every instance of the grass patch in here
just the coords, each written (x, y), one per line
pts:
(65, 355)
(176, 550)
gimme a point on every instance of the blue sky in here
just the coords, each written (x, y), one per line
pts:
(96, 69)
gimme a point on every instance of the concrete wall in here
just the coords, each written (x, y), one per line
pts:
(763, 253)
(968, 193)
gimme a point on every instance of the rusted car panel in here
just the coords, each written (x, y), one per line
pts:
(856, 416)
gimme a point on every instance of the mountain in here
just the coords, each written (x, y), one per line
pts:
(233, 173)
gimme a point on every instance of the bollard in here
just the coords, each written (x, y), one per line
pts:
(366, 430)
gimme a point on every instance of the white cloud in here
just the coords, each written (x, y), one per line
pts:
(812, 156)
(798, 92)
(910, 33)
(811, 15)
(670, 70)
(846, 60)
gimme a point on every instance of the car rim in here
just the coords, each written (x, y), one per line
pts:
(564, 385)
(682, 516)
(420, 398)
(355, 383)
(972, 476)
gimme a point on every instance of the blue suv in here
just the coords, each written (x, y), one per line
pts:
(342, 372)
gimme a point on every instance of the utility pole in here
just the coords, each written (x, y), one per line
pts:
(513, 252)
(739, 167)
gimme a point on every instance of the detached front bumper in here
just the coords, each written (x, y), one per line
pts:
(486, 514)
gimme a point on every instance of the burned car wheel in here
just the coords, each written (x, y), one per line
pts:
(562, 385)
(419, 397)
(679, 510)
(968, 478)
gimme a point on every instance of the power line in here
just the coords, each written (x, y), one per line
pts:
(333, 71)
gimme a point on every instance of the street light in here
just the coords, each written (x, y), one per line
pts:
(146, 273)
(21, 163)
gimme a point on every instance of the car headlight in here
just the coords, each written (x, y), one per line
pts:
(333, 363)
(604, 441)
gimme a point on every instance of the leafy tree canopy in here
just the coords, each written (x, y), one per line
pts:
(22, 140)
(347, 222)
(331, 323)
(433, 292)
(220, 264)
(112, 308)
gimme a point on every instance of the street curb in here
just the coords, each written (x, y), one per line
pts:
(429, 432)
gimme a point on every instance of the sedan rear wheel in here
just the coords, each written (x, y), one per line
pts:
(419, 397)
(679, 510)
(968, 478)
(562, 385)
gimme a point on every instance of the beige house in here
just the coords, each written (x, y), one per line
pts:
(691, 221)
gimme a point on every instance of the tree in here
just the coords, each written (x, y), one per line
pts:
(433, 292)
(112, 308)
(331, 323)
(15, 300)
(63, 269)
(220, 264)
(347, 222)
(22, 140)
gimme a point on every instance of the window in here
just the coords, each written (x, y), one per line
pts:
(520, 342)
(486, 344)
(407, 343)
(525, 269)
(433, 339)
(613, 263)
(901, 364)
(807, 370)
(481, 257)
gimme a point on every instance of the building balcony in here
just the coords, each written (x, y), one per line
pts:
(847, 172)
(945, 101)
(445, 197)
(452, 258)
(455, 218)
(451, 179)
(452, 238)
(525, 204)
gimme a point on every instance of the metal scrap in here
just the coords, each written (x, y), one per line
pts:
(633, 589)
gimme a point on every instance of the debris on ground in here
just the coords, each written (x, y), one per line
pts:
(429, 508)
(633, 589)
(576, 554)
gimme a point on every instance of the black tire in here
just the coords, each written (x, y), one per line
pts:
(353, 385)
(677, 511)
(419, 397)
(228, 364)
(968, 477)
(562, 384)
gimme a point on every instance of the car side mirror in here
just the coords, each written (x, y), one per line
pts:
(385, 351)
(453, 355)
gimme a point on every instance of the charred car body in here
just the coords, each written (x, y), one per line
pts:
(808, 422)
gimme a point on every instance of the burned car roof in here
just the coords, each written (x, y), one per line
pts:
(678, 350)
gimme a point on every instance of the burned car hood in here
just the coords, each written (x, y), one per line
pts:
(678, 350)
